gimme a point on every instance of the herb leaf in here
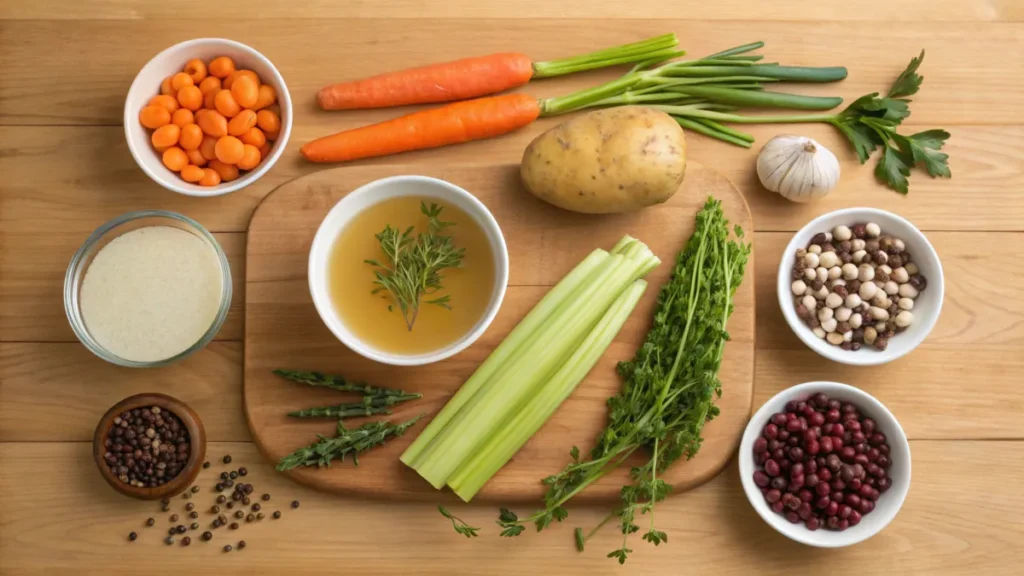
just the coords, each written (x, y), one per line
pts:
(413, 271)
(893, 171)
(909, 81)
(460, 526)
(347, 442)
(924, 147)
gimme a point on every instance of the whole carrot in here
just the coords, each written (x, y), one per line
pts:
(451, 124)
(479, 76)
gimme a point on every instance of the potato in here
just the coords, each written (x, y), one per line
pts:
(608, 161)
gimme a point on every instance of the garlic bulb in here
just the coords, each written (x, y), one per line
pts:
(798, 168)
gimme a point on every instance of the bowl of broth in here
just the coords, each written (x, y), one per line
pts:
(408, 270)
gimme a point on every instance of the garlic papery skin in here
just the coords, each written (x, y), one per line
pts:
(798, 168)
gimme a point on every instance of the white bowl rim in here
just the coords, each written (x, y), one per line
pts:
(894, 434)
(283, 99)
(487, 222)
(864, 357)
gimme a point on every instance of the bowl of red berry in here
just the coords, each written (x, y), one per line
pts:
(825, 464)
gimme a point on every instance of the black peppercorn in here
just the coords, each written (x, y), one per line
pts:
(234, 526)
(221, 499)
(295, 503)
(256, 507)
(239, 514)
(194, 526)
(248, 489)
(173, 518)
(260, 516)
(277, 514)
(206, 465)
(229, 483)
(181, 529)
(165, 507)
(165, 501)
(186, 541)
(245, 501)
(227, 459)
(265, 497)
(172, 530)
(227, 547)
(169, 540)
(232, 475)
(241, 544)
(231, 505)
(150, 521)
(189, 506)
(193, 514)
(250, 517)
(223, 475)
(242, 471)
(215, 509)
(186, 495)
(132, 536)
(219, 487)
(207, 535)
(195, 489)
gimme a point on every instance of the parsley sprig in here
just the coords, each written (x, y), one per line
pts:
(457, 523)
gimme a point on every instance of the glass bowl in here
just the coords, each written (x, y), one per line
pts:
(104, 235)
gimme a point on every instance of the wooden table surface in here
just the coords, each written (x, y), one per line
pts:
(64, 169)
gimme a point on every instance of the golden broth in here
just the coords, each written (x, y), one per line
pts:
(351, 280)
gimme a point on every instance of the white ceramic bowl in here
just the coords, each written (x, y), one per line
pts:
(171, 61)
(385, 189)
(888, 503)
(926, 307)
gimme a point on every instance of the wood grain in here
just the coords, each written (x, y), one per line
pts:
(963, 87)
(794, 10)
(283, 330)
(32, 268)
(954, 521)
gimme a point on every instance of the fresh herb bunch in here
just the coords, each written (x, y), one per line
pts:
(413, 270)
(669, 387)
(460, 526)
(368, 406)
(346, 443)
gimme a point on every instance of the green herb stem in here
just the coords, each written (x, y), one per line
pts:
(658, 47)
(339, 383)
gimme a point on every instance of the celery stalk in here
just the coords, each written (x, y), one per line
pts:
(522, 332)
(499, 448)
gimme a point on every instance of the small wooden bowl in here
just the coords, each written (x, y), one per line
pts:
(197, 439)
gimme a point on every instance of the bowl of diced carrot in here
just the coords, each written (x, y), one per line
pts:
(207, 117)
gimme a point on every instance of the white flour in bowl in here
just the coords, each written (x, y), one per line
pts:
(151, 293)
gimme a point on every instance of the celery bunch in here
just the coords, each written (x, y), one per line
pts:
(532, 371)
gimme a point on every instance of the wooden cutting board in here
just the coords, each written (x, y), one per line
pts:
(283, 330)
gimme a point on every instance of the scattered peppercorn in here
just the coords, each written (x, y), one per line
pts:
(181, 529)
(215, 509)
(189, 506)
(227, 459)
(173, 518)
(295, 503)
(256, 507)
(241, 544)
(166, 507)
(186, 541)
(186, 495)
(277, 514)
(265, 497)
(245, 501)
(221, 499)
(195, 489)
(227, 547)
(169, 540)
(219, 487)
(193, 514)
(231, 505)
(150, 521)
(172, 530)
(239, 514)
(194, 526)
(232, 475)
(248, 488)
(223, 475)
(207, 535)
(165, 501)
(206, 465)
(260, 516)
(234, 526)
(229, 483)
(250, 517)
(132, 536)
(242, 471)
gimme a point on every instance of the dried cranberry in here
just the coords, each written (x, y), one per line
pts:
(777, 507)
(824, 474)
(867, 426)
(866, 491)
(858, 437)
(771, 431)
(812, 524)
(793, 517)
(772, 496)
(852, 425)
(838, 430)
(771, 467)
(761, 479)
(822, 488)
(796, 454)
(844, 511)
(779, 453)
(843, 525)
(761, 458)
(794, 426)
(832, 509)
(812, 479)
(779, 419)
(760, 445)
(825, 444)
(861, 448)
(876, 439)
(847, 453)
(804, 511)
(820, 400)
(854, 518)
(816, 419)
(791, 406)
(832, 523)
(884, 484)
(883, 461)
(778, 483)
(853, 500)
(805, 495)
(783, 435)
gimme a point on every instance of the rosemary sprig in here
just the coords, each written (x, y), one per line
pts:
(347, 442)
(369, 406)
(339, 383)
(412, 273)
(460, 526)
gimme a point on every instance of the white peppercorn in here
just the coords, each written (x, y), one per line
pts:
(809, 302)
(810, 274)
(904, 319)
(823, 292)
(849, 271)
(908, 291)
(885, 268)
(842, 233)
(828, 259)
(898, 245)
(833, 300)
(857, 244)
(880, 257)
(873, 230)
(905, 304)
(834, 272)
(838, 282)
(828, 236)
(848, 336)
(880, 327)
(881, 300)
(912, 269)
(799, 288)
(891, 288)
(829, 325)
(855, 321)
(819, 332)
(814, 249)
(865, 273)
(834, 338)
(853, 301)
(859, 256)
(825, 313)
(900, 275)
(870, 334)
(878, 313)
(843, 314)
(811, 260)
(867, 290)
(822, 273)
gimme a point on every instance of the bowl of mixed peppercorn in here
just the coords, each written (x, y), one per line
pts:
(149, 446)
